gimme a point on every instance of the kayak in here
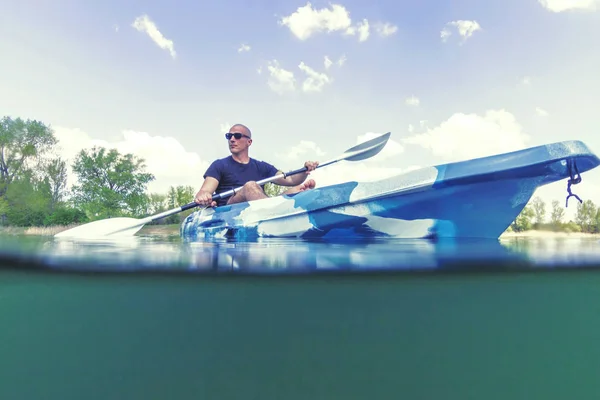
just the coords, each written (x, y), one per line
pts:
(477, 198)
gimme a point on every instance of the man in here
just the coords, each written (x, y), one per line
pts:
(239, 169)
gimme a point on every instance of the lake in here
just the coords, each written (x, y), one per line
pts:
(153, 317)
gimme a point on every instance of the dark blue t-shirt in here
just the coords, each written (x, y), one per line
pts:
(232, 174)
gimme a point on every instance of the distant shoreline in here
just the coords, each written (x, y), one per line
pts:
(548, 234)
(173, 229)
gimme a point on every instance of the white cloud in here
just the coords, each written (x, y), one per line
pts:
(445, 34)
(244, 47)
(363, 30)
(280, 80)
(73, 140)
(304, 147)
(465, 29)
(526, 80)
(566, 5)
(386, 29)
(283, 81)
(466, 136)
(165, 157)
(541, 112)
(145, 24)
(307, 21)
(315, 80)
(340, 62)
(422, 124)
(413, 101)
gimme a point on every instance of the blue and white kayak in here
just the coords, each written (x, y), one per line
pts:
(477, 198)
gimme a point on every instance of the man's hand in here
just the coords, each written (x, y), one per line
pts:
(204, 199)
(311, 165)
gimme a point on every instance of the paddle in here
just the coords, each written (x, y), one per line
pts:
(123, 226)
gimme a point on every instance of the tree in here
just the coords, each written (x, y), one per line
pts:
(178, 196)
(28, 201)
(33, 199)
(110, 184)
(55, 176)
(558, 213)
(22, 143)
(539, 209)
(523, 220)
(4, 207)
(586, 215)
(556, 216)
(157, 202)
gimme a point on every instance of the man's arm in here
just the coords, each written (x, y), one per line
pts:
(204, 195)
(298, 178)
(291, 180)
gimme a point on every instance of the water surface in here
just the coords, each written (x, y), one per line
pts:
(172, 254)
(275, 319)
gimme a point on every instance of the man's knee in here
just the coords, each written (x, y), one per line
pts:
(252, 186)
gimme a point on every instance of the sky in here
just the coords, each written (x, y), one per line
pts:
(451, 80)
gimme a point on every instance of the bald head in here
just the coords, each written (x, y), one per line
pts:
(241, 128)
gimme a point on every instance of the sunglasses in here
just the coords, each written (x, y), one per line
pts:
(237, 136)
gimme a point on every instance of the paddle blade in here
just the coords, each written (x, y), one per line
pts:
(117, 227)
(367, 149)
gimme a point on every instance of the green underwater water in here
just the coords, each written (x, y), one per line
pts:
(281, 320)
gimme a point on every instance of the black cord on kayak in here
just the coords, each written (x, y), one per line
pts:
(573, 180)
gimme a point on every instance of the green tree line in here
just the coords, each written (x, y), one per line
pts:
(535, 217)
(33, 182)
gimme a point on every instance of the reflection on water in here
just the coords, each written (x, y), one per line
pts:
(565, 251)
(292, 255)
